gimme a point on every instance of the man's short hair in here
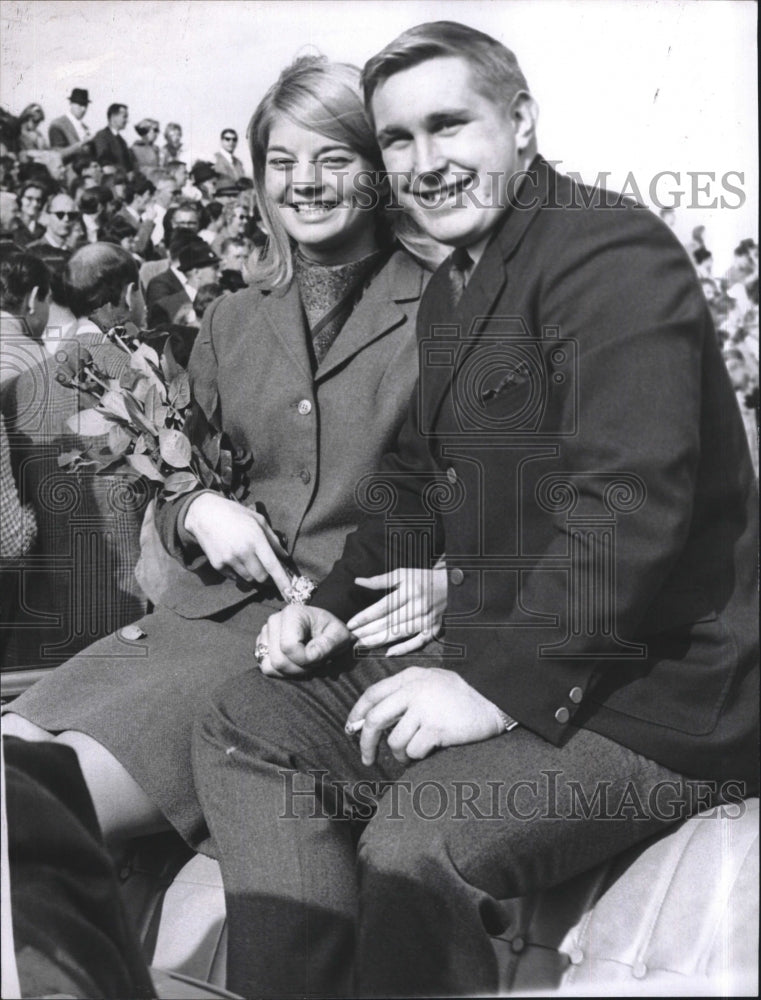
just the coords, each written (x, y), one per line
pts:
(228, 132)
(96, 275)
(19, 274)
(114, 109)
(139, 186)
(495, 69)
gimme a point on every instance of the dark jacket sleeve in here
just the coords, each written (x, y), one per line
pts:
(400, 488)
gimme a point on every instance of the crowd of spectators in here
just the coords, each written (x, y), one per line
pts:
(732, 299)
(68, 186)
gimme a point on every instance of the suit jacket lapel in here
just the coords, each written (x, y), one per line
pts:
(380, 309)
(285, 315)
(486, 285)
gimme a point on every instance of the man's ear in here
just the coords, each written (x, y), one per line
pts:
(129, 294)
(32, 299)
(524, 112)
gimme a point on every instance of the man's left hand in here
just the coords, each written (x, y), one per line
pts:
(427, 708)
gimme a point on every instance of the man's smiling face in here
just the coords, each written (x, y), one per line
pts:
(451, 151)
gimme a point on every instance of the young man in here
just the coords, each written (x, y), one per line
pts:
(226, 163)
(110, 145)
(576, 453)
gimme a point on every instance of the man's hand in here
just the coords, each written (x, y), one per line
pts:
(428, 708)
(413, 611)
(299, 638)
(237, 541)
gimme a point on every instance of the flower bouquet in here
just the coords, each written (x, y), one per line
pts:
(146, 424)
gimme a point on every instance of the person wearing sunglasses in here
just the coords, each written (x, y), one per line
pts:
(61, 215)
(226, 162)
(145, 150)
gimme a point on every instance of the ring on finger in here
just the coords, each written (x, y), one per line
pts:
(260, 651)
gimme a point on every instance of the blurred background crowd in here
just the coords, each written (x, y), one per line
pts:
(191, 227)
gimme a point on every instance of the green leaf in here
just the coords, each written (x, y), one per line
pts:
(143, 465)
(138, 418)
(181, 482)
(179, 391)
(90, 423)
(115, 403)
(118, 440)
(175, 448)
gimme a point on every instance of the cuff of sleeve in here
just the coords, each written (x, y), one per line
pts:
(508, 721)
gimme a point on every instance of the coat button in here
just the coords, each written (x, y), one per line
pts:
(576, 694)
(639, 970)
(305, 476)
(517, 945)
(576, 956)
(562, 716)
(305, 407)
(451, 475)
(456, 576)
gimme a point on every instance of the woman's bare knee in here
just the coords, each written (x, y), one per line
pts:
(122, 807)
(17, 725)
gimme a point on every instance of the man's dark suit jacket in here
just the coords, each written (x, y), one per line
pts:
(162, 286)
(577, 452)
(61, 133)
(113, 146)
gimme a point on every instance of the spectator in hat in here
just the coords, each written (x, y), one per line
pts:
(168, 279)
(109, 142)
(69, 133)
(172, 143)
(228, 192)
(28, 227)
(144, 151)
(53, 247)
(138, 212)
(226, 162)
(204, 183)
(197, 266)
(30, 136)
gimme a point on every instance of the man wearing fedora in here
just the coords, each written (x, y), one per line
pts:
(68, 134)
(197, 266)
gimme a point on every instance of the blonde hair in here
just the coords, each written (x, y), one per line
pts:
(324, 97)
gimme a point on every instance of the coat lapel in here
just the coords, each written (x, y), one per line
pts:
(486, 285)
(381, 308)
(285, 315)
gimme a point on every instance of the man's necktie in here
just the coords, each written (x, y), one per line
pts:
(458, 269)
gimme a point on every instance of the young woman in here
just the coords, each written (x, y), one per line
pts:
(311, 372)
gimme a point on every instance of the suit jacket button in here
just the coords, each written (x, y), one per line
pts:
(456, 576)
(451, 474)
(576, 694)
(305, 407)
(305, 476)
(562, 716)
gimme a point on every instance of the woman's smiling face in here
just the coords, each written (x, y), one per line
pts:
(323, 191)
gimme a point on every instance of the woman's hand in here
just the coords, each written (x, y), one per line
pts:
(412, 611)
(237, 541)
